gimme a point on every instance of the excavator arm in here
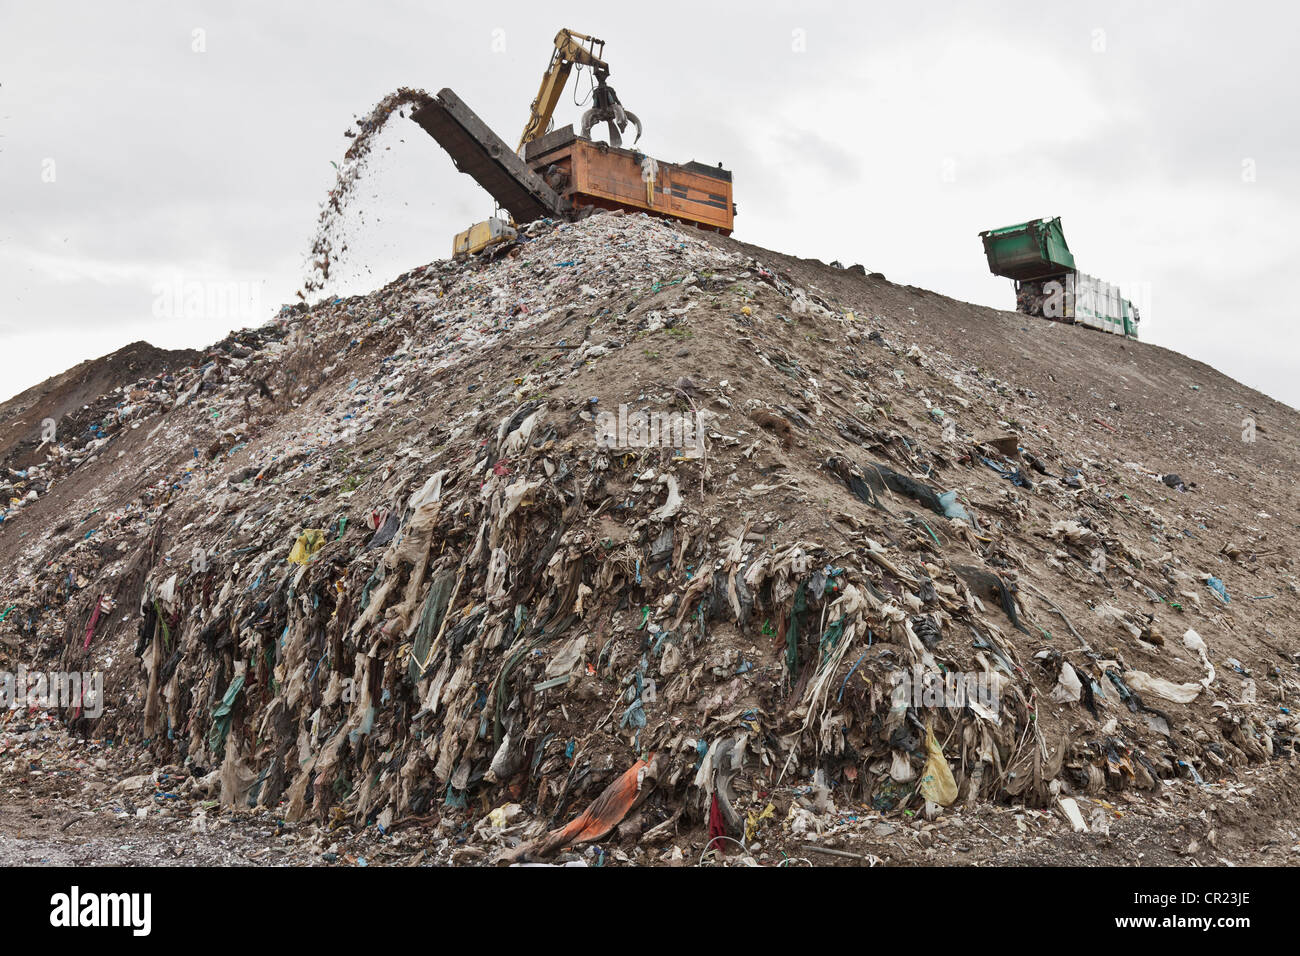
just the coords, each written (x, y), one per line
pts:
(570, 48)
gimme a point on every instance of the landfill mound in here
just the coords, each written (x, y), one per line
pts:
(451, 555)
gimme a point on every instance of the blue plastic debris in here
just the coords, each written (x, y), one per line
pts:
(1217, 587)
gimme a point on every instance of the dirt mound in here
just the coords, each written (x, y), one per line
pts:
(635, 535)
(63, 396)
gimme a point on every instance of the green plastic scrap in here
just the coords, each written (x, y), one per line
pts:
(162, 622)
(221, 717)
(435, 608)
(792, 632)
(553, 682)
(832, 636)
(374, 579)
(503, 687)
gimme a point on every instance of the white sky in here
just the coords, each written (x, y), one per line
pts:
(1163, 134)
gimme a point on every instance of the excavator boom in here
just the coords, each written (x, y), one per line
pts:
(570, 48)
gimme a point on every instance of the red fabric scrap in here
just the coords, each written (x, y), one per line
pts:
(717, 826)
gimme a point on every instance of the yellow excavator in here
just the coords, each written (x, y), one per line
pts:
(564, 173)
(571, 49)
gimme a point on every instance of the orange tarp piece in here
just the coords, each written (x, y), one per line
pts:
(606, 811)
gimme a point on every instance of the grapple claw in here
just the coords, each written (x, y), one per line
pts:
(607, 109)
(632, 118)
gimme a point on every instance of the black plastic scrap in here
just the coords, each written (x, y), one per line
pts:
(854, 480)
(385, 532)
(1126, 694)
(1013, 475)
(869, 482)
(989, 584)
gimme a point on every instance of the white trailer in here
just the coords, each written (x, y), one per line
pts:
(1076, 297)
(1094, 303)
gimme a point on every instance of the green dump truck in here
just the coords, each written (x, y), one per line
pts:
(1035, 256)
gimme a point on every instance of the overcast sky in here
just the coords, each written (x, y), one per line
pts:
(149, 147)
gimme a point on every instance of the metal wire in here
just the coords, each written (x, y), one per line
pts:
(708, 847)
(591, 87)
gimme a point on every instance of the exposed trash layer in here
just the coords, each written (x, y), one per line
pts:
(630, 531)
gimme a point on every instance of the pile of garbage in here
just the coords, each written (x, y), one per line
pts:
(619, 530)
(1034, 295)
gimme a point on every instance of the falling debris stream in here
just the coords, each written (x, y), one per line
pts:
(328, 243)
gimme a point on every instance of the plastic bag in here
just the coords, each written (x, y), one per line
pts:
(937, 784)
(308, 543)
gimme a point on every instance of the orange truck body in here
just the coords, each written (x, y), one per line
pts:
(596, 174)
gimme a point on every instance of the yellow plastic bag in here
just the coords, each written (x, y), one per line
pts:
(937, 784)
(308, 543)
(754, 818)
